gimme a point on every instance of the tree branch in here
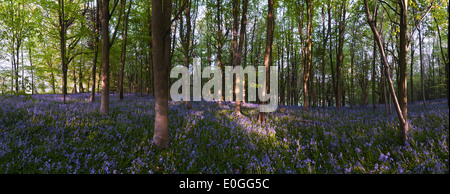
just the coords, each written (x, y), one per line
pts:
(420, 21)
(389, 6)
(114, 9)
(177, 15)
(389, 16)
(118, 22)
(440, 42)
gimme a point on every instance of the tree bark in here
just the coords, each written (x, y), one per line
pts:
(96, 42)
(104, 104)
(31, 67)
(422, 85)
(161, 63)
(219, 44)
(185, 41)
(62, 42)
(374, 103)
(340, 53)
(400, 106)
(402, 83)
(236, 57)
(324, 42)
(124, 51)
(269, 40)
(150, 56)
(106, 46)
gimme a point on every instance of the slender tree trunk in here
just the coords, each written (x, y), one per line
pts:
(96, 42)
(31, 67)
(400, 105)
(141, 81)
(306, 50)
(104, 104)
(124, 51)
(219, 46)
(289, 77)
(161, 63)
(340, 53)
(352, 57)
(80, 75)
(412, 72)
(62, 42)
(74, 89)
(445, 57)
(402, 83)
(422, 85)
(23, 73)
(269, 40)
(150, 56)
(187, 41)
(236, 57)
(242, 35)
(324, 42)
(333, 79)
(374, 103)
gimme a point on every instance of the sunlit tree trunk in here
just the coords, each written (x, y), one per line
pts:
(62, 42)
(124, 51)
(236, 57)
(104, 104)
(96, 42)
(422, 85)
(219, 43)
(270, 23)
(340, 54)
(106, 46)
(400, 104)
(402, 82)
(161, 62)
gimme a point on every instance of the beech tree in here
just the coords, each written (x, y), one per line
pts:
(105, 16)
(269, 42)
(161, 12)
(401, 102)
(124, 49)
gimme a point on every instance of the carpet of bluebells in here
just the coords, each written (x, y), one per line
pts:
(40, 134)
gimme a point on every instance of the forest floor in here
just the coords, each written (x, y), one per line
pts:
(39, 134)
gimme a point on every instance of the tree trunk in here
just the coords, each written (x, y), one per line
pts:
(62, 42)
(124, 51)
(161, 63)
(185, 41)
(289, 77)
(31, 67)
(306, 49)
(374, 103)
(400, 106)
(74, 89)
(412, 72)
(324, 42)
(96, 42)
(402, 83)
(219, 45)
(340, 53)
(104, 104)
(242, 34)
(333, 79)
(106, 46)
(269, 40)
(150, 56)
(352, 57)
(80, 75)
(422, 85)
(236, 57)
